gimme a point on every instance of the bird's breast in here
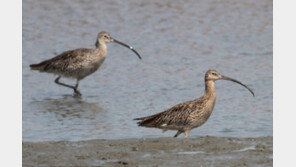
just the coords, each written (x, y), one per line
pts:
(201, 115)
(94, 60)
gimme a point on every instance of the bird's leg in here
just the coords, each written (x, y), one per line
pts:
(69, 86)
(187, 133)
(59, 83)
(77, 83)
(77, 92)
(178, 133)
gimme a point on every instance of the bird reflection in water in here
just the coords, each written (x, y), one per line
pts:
(69, 107)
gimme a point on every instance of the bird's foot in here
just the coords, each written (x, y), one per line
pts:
(77, 93)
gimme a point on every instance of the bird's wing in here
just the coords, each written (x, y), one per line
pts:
(175, 116)
(62, 61)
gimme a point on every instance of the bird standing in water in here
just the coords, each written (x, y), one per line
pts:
(79, 63)
(189, 115)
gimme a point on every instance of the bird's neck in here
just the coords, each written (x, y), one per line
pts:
(210, 89)
(101, 46)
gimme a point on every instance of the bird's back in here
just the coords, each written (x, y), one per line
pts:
(179, 117)
(74, 63)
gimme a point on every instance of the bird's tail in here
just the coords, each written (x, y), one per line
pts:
(147, 121)
(40, 66)
(140, 118)
(35, 67)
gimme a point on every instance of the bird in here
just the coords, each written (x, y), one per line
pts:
(79, 63)
(186, 116)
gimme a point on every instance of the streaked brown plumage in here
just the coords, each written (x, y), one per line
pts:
(189, 115)
(79, 63)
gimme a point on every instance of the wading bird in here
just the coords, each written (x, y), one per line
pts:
(188, 115)
(79, 63)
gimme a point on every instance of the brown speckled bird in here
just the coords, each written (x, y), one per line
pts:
(189, 115)
(79, 63)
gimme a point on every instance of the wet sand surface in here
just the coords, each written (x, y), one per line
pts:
(199, 151)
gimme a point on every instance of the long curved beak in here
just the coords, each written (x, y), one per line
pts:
(236, 81)
(125, 45)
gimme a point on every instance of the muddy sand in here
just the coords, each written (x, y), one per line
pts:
(199, 151)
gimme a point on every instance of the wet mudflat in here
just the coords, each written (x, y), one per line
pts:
(199, 151)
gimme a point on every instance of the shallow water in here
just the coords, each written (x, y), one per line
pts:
(178, 40)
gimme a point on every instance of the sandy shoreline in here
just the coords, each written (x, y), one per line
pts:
(199, 151)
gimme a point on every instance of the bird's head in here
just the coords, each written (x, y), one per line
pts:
(105, 37)
(213, 75)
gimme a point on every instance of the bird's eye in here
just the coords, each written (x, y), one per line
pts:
(106, 36)
(214, 74)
